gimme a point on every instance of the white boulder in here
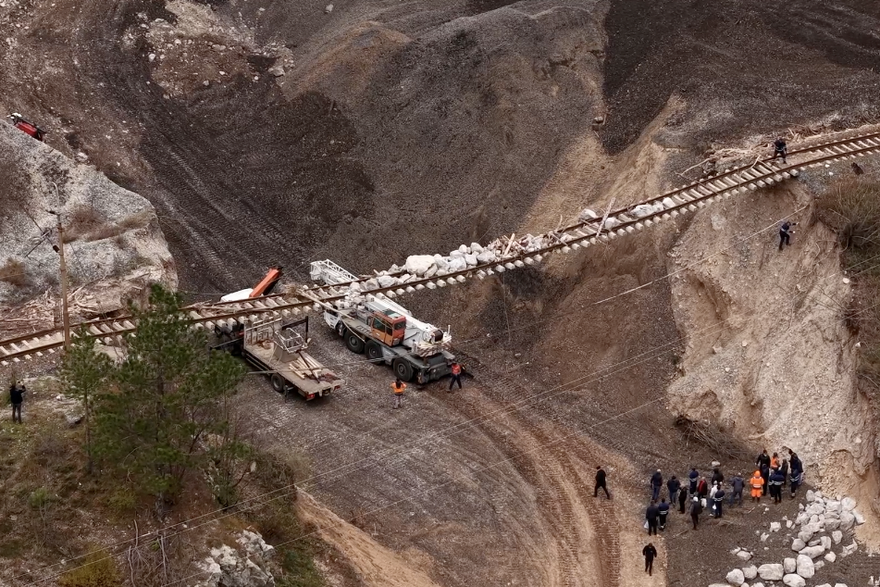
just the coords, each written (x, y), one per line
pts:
(457, 264)
(789, 564)
(486, 256)
(668, 203)
(794, 580)
(797, 544)
(805, 567)
(587, 214)
(470, 259)
(735, 577)
(386, 280)
(825, 542)
(831, 557)
(813, 551)
(744, 555)
(775, 526)
(750, 572)
(771, 572)
(847, 520)
(837, 536)
(860, 519)
(848, 504)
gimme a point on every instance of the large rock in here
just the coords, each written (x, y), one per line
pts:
(227, 568)
(848, 504)
(771, 572)
(744, 555)
(750, 572)
(789, 564)
(419, 264)
(825, 542)
(860, 519)
(805, 566)
(813, 551)
(798, 545)
(837, 536)
(847, 520)
(735, 577)
(794, 581)
(831, 557)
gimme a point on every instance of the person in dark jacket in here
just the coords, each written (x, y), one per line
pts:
(718, 502)
(600, 483)
(656, 485)
(785, 233)
(696, 510)
(736, 485)
(693, 477)
(776, 481)
(717, 477)
(797, 473)
(16, 397)
(783, 468)
(673, 486)
(663, 512)
(763, 460)
(780, 149)
(652, 515)
(650, 554)
(682, 500)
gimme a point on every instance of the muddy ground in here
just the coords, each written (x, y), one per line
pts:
(400, 128)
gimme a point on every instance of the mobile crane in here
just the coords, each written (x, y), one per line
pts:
(384, 330)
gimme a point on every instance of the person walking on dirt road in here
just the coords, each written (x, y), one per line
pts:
(16, 397)
(696, 510)
(663, 512)
(673, 486)
(780, 149)
(785, 233)
(656, 484)
(398, 387)
(650, 554)
(600, 483)
(652, 515)
(682, 500)
(456, 376)
(757, 485)
(736, 485)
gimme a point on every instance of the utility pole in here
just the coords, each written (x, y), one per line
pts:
(59, 248)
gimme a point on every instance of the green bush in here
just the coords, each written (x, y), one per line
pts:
(98, 570)
(40, 498)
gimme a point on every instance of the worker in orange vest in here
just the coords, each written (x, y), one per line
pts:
(774, 462)
(398, 387)
(757, 485)
(456, 376)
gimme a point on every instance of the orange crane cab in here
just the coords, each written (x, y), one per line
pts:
(389, 327)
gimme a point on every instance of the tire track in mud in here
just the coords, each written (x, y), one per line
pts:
(583, 531)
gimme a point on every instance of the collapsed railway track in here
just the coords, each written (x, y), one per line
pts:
(761, 174)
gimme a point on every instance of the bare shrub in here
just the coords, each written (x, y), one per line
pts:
(13, 272)
(716, 440)
(98, 570)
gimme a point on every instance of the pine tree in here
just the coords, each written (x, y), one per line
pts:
(165, 400)
(85, 373)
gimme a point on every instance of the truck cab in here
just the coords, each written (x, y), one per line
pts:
(389, 327)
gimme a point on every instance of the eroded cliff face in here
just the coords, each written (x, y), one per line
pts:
(113, 242)
(768, 353)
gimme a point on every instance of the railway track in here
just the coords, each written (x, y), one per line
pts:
(763, 173)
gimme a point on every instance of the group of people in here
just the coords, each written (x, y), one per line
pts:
(771, 476)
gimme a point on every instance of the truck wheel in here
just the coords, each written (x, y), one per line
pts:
(402, 370)
(353, 342)
(278, 383)
(374, 352)
(340, 328)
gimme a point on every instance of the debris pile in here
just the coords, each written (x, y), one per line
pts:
(819, 528)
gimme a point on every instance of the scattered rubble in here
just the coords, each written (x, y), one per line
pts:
(247, 566)
(811, 543)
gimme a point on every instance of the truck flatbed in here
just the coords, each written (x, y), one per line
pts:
(303, 372)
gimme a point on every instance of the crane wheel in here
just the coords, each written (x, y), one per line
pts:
(402, 370)
(278, 383)
(374, 352)
(353, 342)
